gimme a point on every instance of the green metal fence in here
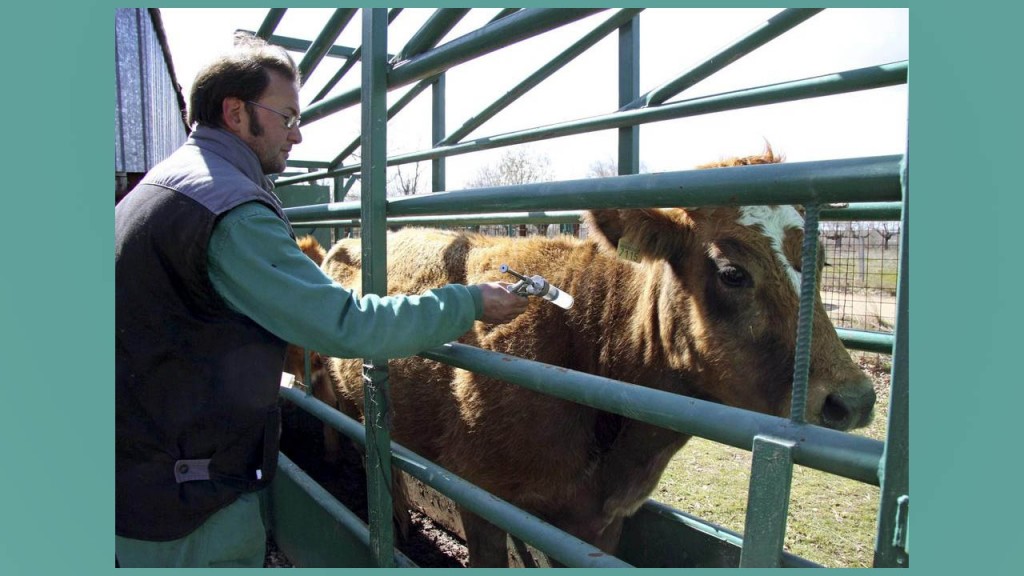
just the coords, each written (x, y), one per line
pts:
(868, 187)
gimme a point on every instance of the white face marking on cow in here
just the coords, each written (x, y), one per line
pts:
(774, 221)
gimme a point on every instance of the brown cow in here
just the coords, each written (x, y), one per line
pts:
(707, 307)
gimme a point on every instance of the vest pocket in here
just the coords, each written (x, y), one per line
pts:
(266, 462)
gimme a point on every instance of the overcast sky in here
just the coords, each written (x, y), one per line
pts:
(672, 41)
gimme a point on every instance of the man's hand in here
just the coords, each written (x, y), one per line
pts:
(500, 305)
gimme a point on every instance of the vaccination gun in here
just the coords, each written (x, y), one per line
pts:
(538, 286)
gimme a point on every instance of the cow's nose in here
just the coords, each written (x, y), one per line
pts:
(850, 408)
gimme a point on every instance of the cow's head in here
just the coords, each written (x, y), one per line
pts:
(728, 284)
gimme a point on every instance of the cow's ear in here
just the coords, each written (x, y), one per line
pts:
(605, 226)
(640, 233)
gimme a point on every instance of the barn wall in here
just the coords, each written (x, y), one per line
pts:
(148, 122)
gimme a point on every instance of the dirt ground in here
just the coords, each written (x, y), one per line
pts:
(861, 310)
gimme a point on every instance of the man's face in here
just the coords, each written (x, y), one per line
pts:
(267, 134)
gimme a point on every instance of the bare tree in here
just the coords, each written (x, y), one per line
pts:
(834, 232)
(888, 230)
(608, 167)
(859, 230)
(602, 169)
(516, 166)
(404, 181)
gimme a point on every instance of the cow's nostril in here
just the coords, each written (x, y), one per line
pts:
(850, 410)
(835, 413)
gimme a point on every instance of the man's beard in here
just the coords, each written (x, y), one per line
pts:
(269, 165)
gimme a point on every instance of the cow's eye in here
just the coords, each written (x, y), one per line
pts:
(733, 276)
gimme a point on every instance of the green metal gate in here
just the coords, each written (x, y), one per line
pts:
(864, 187)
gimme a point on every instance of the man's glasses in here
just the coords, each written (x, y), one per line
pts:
(290, 120)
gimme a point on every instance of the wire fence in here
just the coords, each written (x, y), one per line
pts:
(858, 285)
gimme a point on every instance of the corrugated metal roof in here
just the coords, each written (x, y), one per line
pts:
(148, 122)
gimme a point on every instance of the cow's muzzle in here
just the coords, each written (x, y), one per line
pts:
(850, 408)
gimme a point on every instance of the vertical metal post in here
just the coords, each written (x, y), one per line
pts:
(892, 547)
(629, 90)
(767, 503)
(805, 322)
(437, 165)
(374, 252)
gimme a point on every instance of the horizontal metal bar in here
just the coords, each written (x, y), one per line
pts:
(547, 538)
(270, 22)
(542, 73)
(866, 341)
(766, 32)
(299, 215)
(560, 217)
(827, 85)
(869, 211)
(504, 12)
(724, 534)
(512, 29)
(863, 211)
(347, 519)
(324, 41)
(349, 64)
(299, 45)
(315, 164)
(871, 179)
(849, 455)
(328, 106)
(433, 30)
(395, 108)
(874, 179)
(523, 24)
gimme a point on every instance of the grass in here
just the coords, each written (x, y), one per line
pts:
(875, 268)
(832, 520)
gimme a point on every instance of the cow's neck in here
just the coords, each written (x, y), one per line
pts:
(610, 292)
(651, 325)
(630, 470)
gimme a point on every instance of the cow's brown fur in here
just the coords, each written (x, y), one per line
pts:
(767, 157)
(669, 321)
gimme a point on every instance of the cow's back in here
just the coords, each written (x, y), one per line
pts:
(418, 259)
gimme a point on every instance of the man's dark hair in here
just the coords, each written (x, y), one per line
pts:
(242, 73)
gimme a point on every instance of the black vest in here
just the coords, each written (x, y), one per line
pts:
(196, 383)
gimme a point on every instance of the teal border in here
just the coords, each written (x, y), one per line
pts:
(56, 288)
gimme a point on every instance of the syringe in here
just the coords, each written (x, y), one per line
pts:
(538, 286)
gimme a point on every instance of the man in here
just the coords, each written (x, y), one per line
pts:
(210, 286)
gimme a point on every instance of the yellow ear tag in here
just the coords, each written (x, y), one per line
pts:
(628, 251)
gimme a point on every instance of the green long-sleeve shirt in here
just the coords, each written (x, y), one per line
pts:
(257, 268)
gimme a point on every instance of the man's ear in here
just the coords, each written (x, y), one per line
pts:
(234, 115)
